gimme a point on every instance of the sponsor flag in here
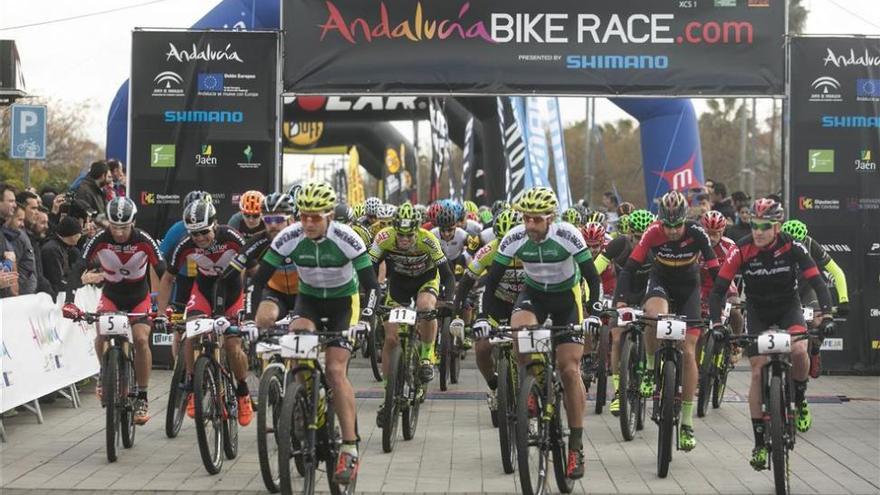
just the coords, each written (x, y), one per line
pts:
(355, 182)
(440, 145)
(531, 118)
(514, 149)
(468, 157)
(557, 144)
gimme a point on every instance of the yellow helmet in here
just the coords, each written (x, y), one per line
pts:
(537, 200)
(316, 197)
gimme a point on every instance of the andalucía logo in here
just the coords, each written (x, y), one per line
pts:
(43, 335)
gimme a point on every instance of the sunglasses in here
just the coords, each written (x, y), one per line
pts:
(535, 218)
(760, 225)
(199, 233)
(311, 217)
(275, 219)
(673, 225)
(409, 235)
(252, 217)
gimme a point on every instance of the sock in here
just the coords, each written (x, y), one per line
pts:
(758, 430)
(242, 389)
(800, 392)
(142, 394)
(649, 362)
(687, 413)
(492, 382)
(575, 439)
(615, 381)
(349, 447)
(427, 351)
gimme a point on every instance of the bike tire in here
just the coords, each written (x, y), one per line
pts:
(270, 397)
(559, 449)
(391, 411)
(506, 412)
(778, 446)
(206, 391)
(176, 409)
(602, 368)
(667, 428)
(230, 423)
(628, 389)
(377, 341)
(127, 396)
(446, 351)
(410, 390)
(455, 361)
(719, 383)
(295, 410)
(110, 386)
(706, 374)
(334, 440)
(531, 483)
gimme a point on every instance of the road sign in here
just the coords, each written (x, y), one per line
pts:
(28, 132)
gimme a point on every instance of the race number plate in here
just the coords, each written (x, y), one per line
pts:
(300, 346)
(774, 343)
(627, 315)
(530, 341)
(113, 324)
(725, 313)
(671, 329)
(267, 349)
(402, 315)
(199, 326)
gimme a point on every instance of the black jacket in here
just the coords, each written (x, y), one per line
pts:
(93, 196)
(24, 259)
(58, 257)
(43, 284)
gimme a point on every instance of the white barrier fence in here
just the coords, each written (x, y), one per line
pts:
(42, 351)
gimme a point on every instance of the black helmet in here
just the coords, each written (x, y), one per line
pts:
(673, 208)
(193, 196)
(121, 211)
(199, 216)
(343, 213)
(278, 203)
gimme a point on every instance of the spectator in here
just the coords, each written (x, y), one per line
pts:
(59, 253)
(36, 230)
(91, 189)
(30, 202)
(8, 275)
(740, 198)
(710, 185)
(720, 201)
(17, 240)
(117, 172)
(701, 205)
(739, 229)
(610, 202)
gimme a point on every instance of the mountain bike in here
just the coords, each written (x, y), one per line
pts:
(714, 364)
(632, 369)
(175, 411)
(596, 364)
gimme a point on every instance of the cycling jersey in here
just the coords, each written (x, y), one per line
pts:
(207, 265)
(615, 254)
(770, 275)
(327, 267)
(552, 264)
(423, 256)
(824, 261)
(487, 235)
(237, 222)
(126, 281)
(722, 249)
(284, 280)
(455, 246)
(363, 232)
(513, 280)
(472, 227)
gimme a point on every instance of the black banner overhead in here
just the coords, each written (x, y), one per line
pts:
(320, 108)
(626, 47)
(203, 115)
(834, 178)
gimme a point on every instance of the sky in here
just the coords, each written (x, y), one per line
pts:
(83, 61)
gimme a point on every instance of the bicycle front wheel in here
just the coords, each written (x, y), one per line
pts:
(230, 417)
(209, 415)
(176, 410)
(377, 342)
(296, 443)
(410, 390)
(719, 382)
(446, 357)
(126, 400)
(667, 407)
(707, 373)
(391, 412)
(602, 368)
(271, 394)
(532, 436)
(628, 389)
(507, 410)
(111, 393)
(778, 446)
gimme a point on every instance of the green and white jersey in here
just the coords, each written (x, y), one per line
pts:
(328, 267)
(550, 265)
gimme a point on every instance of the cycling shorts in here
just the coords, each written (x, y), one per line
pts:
(402, 289)
(563, 308)
(341, 313)
(683, 299)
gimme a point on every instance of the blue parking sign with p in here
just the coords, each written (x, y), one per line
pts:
(28, 132)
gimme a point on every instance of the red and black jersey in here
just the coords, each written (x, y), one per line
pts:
(770, 274)
(722, 249)
(193, 261)
(125, 265)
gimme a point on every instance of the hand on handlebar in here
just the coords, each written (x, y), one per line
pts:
(71, 311)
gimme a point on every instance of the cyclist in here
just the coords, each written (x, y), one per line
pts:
(345, 214)
(248, 221)
(125, 254)
(208, 250)
(384, 218)
(798, 230)
(278, 296)
(573, 216)
(416, 269)
(673, 285)
(616, 253)
(453, 240)
(714, 223)
(332, 262)
(595, 237)
(505, 295)
(554, 258)
(769, 261)
(371, 212)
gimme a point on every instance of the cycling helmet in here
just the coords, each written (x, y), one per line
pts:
(199, 216)
(471, 207)
(456, 207)
(485, 217)
(371, 207)
(432, 211)
(673, 208)
(446, 217)
(358, 210)
(572, 216)
(385, 213)
(406, 219)
(194, 196)
(597, 217)
(278, 203)
(640, 220)
(713, 221)
(498, 206)
(421, 211)
(250, 203)
(294, 191)
(121, 211)
(796, 229)
(316, 197)
(506, 220)
(594, 233)
(768, 209)
(472, 216)
(625, 208)
(623, 225)
(343, 213)
(537, 201)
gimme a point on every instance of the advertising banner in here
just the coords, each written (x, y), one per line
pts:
(203, 116)
(627, 47)
(41, 351)
(835, 182)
